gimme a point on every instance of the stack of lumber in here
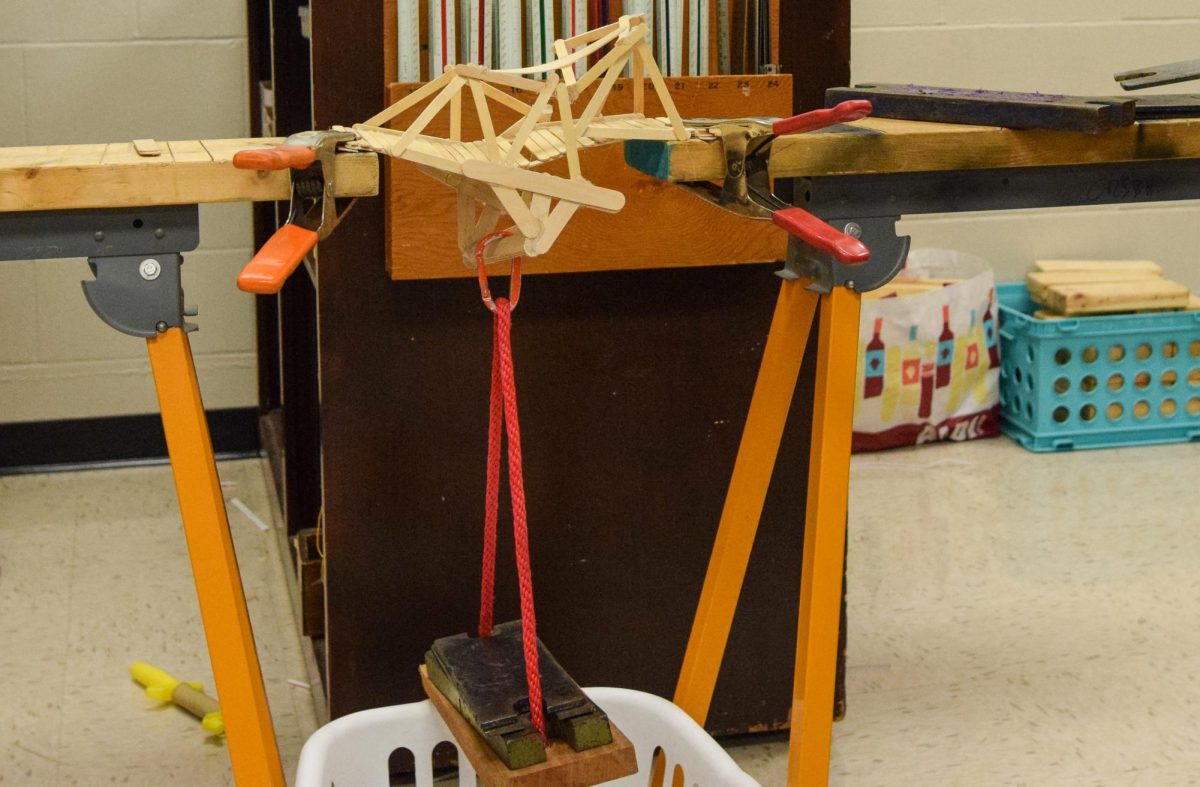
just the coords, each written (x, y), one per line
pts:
(1081, 287)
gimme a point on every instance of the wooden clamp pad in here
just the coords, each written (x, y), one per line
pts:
(115, 175)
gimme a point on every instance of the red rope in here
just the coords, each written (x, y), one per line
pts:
(503, 408)
(491, 504)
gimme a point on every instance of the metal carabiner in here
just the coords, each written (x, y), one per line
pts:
(514, 287)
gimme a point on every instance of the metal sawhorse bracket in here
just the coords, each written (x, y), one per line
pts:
(136, 254)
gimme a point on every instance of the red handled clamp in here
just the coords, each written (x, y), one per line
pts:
(746, 189)
(313, 212)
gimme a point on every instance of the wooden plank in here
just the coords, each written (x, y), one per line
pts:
(877, 145)
(61, 177)
(661, 226)
(1147, 267)
(1037, 281)
(188, 151)
(1107, 297)
(563, 766)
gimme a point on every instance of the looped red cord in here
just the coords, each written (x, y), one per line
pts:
(503, 410)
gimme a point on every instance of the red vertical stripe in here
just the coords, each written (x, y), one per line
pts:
(444, 26)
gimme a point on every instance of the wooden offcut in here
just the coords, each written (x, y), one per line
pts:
(1109, 297)
(118, 175)
(1144, 267)
(1039, 281)
(563, 766)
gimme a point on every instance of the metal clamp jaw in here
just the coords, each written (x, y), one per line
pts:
(817, 249)
(312, 214)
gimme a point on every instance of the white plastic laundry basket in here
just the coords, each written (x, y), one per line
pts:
(353, 751)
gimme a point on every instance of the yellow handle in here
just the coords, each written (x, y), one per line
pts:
(159, 684)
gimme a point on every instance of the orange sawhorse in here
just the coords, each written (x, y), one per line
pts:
(136, 255)
(811, 713)
(248, 729)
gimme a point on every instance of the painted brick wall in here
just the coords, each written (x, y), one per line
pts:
(75, 71)
(1057, 46)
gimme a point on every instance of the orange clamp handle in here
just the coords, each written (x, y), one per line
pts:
(278, 157)
(799, 223)
(845, 112)
(280, 255)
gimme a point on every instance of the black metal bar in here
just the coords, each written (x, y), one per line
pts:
(958, 191)
(990, 107)
(98, 232)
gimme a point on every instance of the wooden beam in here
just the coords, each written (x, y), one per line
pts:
(878, 145)
(1105, 297)
(63, 177)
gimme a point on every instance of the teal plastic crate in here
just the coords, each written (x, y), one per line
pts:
(1097, 382)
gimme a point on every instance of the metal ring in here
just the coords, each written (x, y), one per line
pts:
(514, 287)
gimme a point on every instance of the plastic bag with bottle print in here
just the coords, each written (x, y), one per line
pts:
(929, 363)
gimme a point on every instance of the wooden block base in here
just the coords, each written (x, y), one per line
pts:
(563, 766)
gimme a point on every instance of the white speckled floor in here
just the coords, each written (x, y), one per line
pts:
(1020, 619)
(93, 576)
(1015, 619)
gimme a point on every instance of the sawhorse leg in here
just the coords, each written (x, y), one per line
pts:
(248, 730)
(829, 472)
(824, 541)
(769, 405)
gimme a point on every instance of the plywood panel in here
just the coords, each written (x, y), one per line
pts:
(660, 226)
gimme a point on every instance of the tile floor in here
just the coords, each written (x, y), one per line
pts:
(93, 576)
(1015, 619)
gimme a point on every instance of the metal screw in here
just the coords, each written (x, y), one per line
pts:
(853, 230)
(98, 235)
(161, 326)
(160, 233)
(149, 269)
(850, 285)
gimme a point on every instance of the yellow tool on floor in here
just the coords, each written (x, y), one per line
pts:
(190, 696)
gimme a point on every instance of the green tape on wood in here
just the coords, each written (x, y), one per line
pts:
(650, 156)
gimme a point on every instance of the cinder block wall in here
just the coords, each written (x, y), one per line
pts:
(76, 71)
(1054, 46)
